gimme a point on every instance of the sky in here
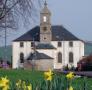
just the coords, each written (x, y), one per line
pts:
(74, 15)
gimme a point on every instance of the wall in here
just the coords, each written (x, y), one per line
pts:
(17, 50)
(77, 49)
(44, 65)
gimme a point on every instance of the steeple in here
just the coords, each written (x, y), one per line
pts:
(45, 8)
(45, 24)
(45, 4)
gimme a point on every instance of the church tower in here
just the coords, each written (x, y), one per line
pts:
(45, 25)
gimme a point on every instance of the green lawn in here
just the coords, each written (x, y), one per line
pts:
(37, 76)
(27, 75)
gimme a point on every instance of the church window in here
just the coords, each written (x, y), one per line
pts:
(44, 38)
(59, 57)
(71, 44)
(32, 44)
(44, 28)
(70, 57)
(21, 57)
(59, 44)
(21, 44)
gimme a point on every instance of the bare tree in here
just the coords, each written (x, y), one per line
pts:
(10, 11)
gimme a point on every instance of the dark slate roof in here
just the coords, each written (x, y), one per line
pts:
(29, 35)
(38, 56)
(45, 46)
(59, 33)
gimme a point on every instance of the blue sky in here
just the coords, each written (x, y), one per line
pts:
(74, 15)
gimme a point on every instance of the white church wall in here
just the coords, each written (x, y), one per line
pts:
(15, 57)
(81, 49)
(26, 49)
(58, 49)
(77, 49)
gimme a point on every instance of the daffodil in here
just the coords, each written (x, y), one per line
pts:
(24, 85)
(18, 84)
(6, 87)
(4, 83)
(71, 88)
(70, 75)
(48, 75)
(29, 87)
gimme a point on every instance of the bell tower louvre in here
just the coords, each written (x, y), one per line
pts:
(45, 25)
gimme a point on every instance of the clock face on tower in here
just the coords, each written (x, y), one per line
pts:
(44, 18)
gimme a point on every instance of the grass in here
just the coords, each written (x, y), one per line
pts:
(37, 76)
(28, 75)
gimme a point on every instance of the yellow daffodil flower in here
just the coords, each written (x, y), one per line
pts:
(6, 87)
(4, 83)
(48, 75)
(70, 75)
(18, 84)
(24, 85)
(70, 88)
(29, 87)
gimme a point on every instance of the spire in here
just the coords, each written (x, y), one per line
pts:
(45, 8)
(45, 4)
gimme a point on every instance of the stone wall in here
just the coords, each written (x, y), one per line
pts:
(44, 65)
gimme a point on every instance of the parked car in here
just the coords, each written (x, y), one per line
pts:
(85, 64)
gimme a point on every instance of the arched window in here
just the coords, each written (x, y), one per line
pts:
(59, 57)
(70, 57)
(21, 57)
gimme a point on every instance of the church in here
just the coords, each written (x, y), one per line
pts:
(46, 46)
